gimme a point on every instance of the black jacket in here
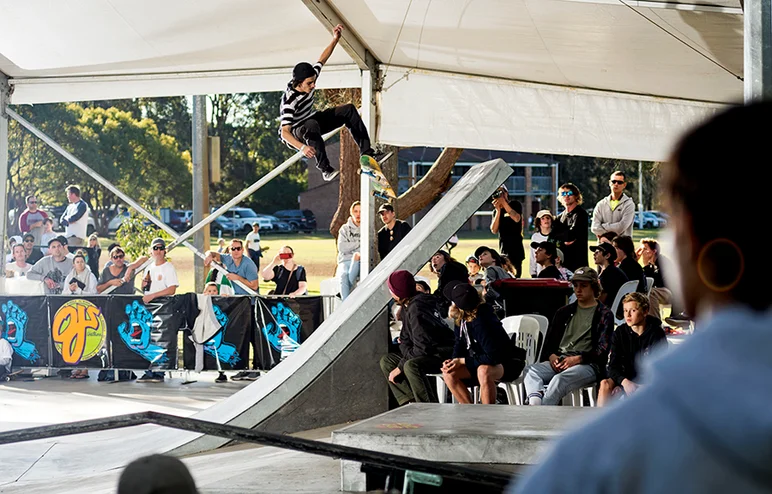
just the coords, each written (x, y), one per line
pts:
(572, 227)
(634, 271)
(387, 241)
(602, 329)
(627, 347)
(490, 344)
(451, 271)
(424, 332)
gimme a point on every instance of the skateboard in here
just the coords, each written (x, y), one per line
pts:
(12, 375)
(382, 188)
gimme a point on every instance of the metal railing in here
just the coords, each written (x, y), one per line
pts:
(366, 457)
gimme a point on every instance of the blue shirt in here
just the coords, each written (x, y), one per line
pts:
(246, 270)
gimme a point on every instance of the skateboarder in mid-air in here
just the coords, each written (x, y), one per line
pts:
(302, 127)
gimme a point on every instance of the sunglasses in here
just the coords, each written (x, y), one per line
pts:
(566, 193)
(29, 241)
(119, 256)
(158, 247)
(617, 182)
(236, 248)
(32, 202)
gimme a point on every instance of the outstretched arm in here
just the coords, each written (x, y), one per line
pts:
(328, 51)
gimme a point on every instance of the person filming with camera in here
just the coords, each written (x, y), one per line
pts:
(508, 224)
(290, 277)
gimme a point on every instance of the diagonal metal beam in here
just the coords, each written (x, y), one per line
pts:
(669, 5)
(354, 46)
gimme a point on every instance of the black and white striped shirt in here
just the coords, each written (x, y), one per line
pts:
(297, 107)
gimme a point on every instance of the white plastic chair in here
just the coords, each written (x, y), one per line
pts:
(527, 329)
(625, 289)
(577, 396)
(649, 285)
(330, 290)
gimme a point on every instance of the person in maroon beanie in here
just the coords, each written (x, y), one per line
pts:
(424, 342)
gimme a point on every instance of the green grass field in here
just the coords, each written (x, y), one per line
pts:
(318, 254)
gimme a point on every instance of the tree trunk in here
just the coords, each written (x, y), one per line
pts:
(349, 180)
(435, 182)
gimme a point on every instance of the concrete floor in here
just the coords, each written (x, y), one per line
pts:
(240, 468)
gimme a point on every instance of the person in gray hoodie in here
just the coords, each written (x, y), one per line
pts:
(702, 422)
(615, 212)
(348, 251)
(53, 268)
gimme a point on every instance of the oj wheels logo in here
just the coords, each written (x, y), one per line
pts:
(78, 331)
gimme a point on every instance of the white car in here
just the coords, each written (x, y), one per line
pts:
(244, 217)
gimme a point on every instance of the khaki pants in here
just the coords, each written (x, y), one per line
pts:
(76, 242)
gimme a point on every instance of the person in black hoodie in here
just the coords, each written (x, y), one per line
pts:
(627, 261)
(424, 342)
(447, 270)
(483, 352)
(570, 228)
(631, 341)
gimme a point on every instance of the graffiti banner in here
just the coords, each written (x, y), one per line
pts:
(144, 336)
(79, 331)
(24, 323)
(230, 346)
(280, 318)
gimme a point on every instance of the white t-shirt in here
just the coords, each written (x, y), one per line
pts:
(12, 266)
(253, 241)
(161, 277)
(536, 268)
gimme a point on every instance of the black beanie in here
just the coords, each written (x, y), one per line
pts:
(302, 71)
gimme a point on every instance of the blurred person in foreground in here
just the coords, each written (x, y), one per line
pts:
(680, 433)
(156, 474)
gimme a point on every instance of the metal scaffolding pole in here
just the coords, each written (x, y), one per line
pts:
(200, 187)
(5, 95)
(757, 66)
(367, 222)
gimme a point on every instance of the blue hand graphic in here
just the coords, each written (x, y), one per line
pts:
(137, 334)
(14, 331)
(286, 318)
(225, 352)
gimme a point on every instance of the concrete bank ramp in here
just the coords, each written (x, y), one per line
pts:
(332, 378)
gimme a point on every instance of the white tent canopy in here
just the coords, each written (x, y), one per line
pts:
(491, 74)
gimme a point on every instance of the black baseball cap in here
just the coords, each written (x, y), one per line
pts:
(482, 249)
(386, 207)
(465, 296)
(606, 248)
(550, 248)
(60, 238)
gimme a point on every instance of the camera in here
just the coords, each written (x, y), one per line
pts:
(285, 255)
(497, 194)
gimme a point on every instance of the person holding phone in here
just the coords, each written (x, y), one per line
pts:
(290, 277)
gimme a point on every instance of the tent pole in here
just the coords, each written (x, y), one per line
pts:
(758, 50)
(5, 96)
(367, 222)
(200, 187)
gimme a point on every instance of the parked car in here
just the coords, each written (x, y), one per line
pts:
(244, 217)
(302, 220)
(277, 225)
(117, 220)
(649, 220)
(663, 217)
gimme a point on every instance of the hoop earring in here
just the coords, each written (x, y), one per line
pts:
(701, 270)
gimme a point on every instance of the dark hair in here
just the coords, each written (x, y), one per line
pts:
(49, 220)
(537, 223)
(697, 170)
(504, 263)
(112, 246)
(573, 188)
(610, 236)
(74, 189)
(620, 173)
(626, 245)
(288, 247)
(116, 249)
(80, 253)
(28, 235)
(652, 243)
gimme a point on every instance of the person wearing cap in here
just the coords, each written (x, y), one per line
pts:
(483, 352)
(546, 254)
(160, 280)
(422, 285)
(392, 232)
(253, 245)
(492, 262)
(53, 268)
(575, 350)
(476, 276)
(702, 424)
(425, 341)
(507, 222)
(611, 277)
(570, 228)
(302, 127)
(567, 273)
(12, 241)
(447, 270)
(615, 212)
(33, 253)
(543, 226)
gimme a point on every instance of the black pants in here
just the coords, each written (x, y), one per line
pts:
(255, 256)
(310, 132)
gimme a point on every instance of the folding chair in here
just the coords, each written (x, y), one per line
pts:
(526, 329)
